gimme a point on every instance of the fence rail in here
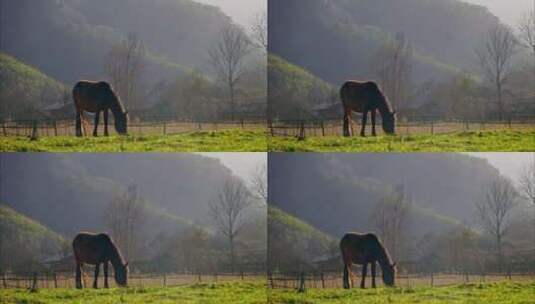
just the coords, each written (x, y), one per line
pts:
(417, 125)
(67, 280)
(302, 281)
(165, 126)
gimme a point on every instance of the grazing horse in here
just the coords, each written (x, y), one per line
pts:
(96, 249)
(363, 97)
(96, 97)
(364, 249)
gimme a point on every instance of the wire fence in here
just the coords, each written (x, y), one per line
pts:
(155, 126)
(334, 279)
(417, 125)
(38, 280)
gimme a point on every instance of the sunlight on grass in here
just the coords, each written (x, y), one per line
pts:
(481, 141)
(225, 140)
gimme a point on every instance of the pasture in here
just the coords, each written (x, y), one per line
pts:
(250, 291)
(489, 293)
(228, 140)
(498, 140)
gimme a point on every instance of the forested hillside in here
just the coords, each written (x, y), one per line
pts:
(345, 188)
(25, 242)
(80, 33)
(337, 40)
(23, 88)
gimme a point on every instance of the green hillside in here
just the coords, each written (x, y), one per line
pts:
(27, 240)
(294, 90)
(25, 89)
(295, 244)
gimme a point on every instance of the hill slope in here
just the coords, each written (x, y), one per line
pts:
(79, 34)
(337, 192)
(24, 88)
(26, 241)
(338, 40)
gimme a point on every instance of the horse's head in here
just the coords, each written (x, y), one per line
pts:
(389, 122)
(389, 274)
(121, 275)
(121, 122)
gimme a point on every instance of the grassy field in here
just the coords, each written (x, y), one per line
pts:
(220, 293)
(233, 140)
(480, 141)
(491, 293)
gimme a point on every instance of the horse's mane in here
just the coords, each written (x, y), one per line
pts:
(383, 251)
(114, 249)
(380, 95)
(118, 105)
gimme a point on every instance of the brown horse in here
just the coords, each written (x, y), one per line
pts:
(364, 97)
(96, 97)
(364, 249)
(96, 249)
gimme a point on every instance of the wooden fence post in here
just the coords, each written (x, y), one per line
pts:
(322, 129)
(55, 127)
(199, 277)
(33, 287)
(322, 280)
(301, 282)
(164, 280)
(54, 276)
(4, 131)
(432, 280)
(164, 131)
(34, 130)
(301, 131)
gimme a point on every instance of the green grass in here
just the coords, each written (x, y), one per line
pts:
(480, 141)
(219, 293)
(233, 140)
(492, 293)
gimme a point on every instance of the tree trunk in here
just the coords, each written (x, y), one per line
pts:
(231, 241)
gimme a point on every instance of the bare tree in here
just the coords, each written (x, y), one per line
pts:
(494, 211)
(227, 212)
(394, 66)
(125, 65)
(259, 182)
(227, 58)
(495, 58)
(527, 36)
(390, 218)
(125, 216)
(527, 187)
(259, 29)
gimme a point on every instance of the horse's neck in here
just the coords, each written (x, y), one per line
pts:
(383, 257)
(384, 108)
(115, 258)
(116, 107)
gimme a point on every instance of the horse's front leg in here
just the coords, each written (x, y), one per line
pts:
(79, 276)
(97, 269)
(78, 123)
(97, 118)
(106, 274)
(373, 274)
(374, 112)
(363, 280)
(364, 120)
(106, 122)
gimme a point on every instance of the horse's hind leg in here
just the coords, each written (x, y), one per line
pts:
(363, 279)
(364, 120)
(97, 270)
(346, 122)
(78, 123)
(79, 276)
(346, 276)
(97, 118)
(374, 112)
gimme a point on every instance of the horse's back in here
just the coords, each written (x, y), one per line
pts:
(359, 95)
